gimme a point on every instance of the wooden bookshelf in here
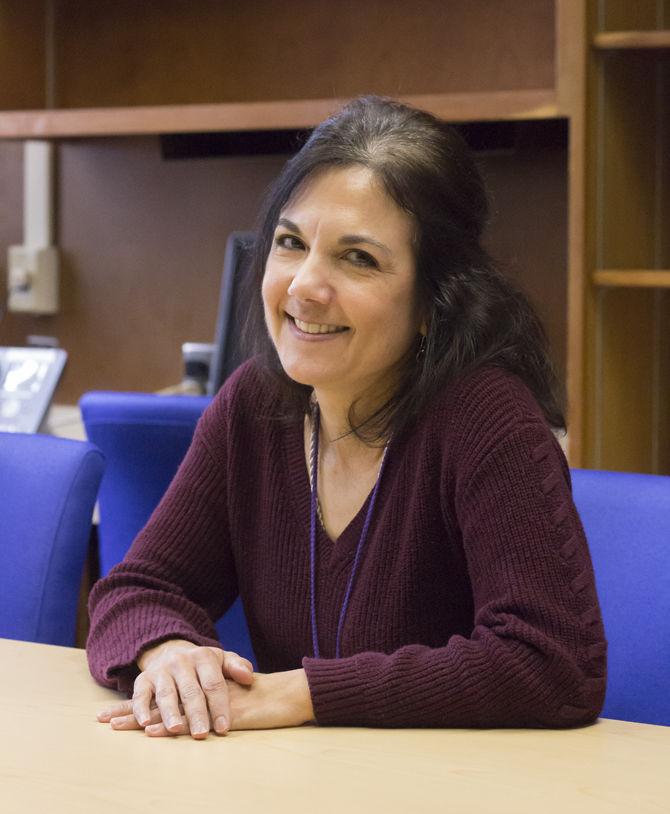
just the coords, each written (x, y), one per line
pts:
(632, 278)
(616, 40)
(271, 115)
(626, 384)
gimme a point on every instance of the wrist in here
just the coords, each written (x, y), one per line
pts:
(304, 696)
(147, 656)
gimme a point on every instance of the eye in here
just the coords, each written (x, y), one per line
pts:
(288, 242)
(361, 258)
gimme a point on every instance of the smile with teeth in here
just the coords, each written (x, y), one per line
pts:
(318, 328)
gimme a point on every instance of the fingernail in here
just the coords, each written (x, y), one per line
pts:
(221, 724)
(173, 721)
(199, 728)
(104, 713)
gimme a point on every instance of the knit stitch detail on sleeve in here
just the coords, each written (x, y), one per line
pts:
(548, 474)
(593, 650)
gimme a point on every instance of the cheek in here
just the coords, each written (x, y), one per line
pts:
(403, 316)
(400, 327)
(271, 290)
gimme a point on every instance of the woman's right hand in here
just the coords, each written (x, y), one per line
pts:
(178, 672)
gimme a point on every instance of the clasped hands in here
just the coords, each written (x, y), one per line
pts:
(183, 688)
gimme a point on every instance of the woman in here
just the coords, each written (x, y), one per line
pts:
(380, 483)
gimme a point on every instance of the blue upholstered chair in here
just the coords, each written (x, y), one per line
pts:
(48, 488)
(627, 522)
(144, 438)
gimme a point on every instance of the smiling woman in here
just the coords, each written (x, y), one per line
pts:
(380, 483)
(339, 289)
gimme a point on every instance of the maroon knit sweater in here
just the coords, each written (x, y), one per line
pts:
(474, 603)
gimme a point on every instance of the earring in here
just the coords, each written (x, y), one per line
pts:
(422, 348)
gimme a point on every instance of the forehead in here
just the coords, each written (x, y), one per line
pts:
(351, 199)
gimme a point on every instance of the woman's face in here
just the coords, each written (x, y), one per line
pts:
(339, 289)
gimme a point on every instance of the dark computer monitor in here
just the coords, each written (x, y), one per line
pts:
(233, 307)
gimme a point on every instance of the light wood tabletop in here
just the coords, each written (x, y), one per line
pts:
(57, 758)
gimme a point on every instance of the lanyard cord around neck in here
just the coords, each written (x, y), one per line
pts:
(314, 466)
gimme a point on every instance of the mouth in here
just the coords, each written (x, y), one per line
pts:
(316, 327)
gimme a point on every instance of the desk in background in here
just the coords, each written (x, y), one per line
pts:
(64, 421)
(56, 757)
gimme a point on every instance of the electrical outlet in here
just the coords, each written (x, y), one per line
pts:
(32, 279)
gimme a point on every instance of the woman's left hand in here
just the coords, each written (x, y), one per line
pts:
(273, 700)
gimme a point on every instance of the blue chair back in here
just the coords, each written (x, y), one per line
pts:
(48, 488)
(626, 518)
(144, 438)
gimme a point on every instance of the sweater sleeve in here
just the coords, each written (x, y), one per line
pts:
(536, 653)
(178, 575)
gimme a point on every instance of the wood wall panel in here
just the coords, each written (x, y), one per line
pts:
(142, 244)
(22, 54)
(11, 195)
(143, 240)
(124, 52)
(528, 235)
(11, 221)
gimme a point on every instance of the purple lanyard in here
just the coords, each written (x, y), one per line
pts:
(312, 539)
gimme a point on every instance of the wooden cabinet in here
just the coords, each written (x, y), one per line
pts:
(119, 68)
(123, 67)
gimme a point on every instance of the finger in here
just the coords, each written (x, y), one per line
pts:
(194, 701)
(237, 668)
(122, 708)
(214, 687)
(130, 721)
(159, 730)
(167, 701)
(141, 700)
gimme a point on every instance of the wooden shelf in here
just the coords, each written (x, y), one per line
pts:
(614, 40)
(632, 278)
(274, 115)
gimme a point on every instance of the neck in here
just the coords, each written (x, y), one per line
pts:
(333, 416)
(336, 438)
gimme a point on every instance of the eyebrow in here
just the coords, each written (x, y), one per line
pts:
(345, 240)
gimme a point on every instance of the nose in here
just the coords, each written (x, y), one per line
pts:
(311, 280)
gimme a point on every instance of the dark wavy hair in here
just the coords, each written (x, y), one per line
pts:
(474, 315)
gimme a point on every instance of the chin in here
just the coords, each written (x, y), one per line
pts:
(301, 373)
(315, 378)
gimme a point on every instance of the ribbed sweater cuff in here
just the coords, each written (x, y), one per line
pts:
(338, 695)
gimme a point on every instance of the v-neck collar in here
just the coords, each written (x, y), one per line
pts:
(298, 479)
